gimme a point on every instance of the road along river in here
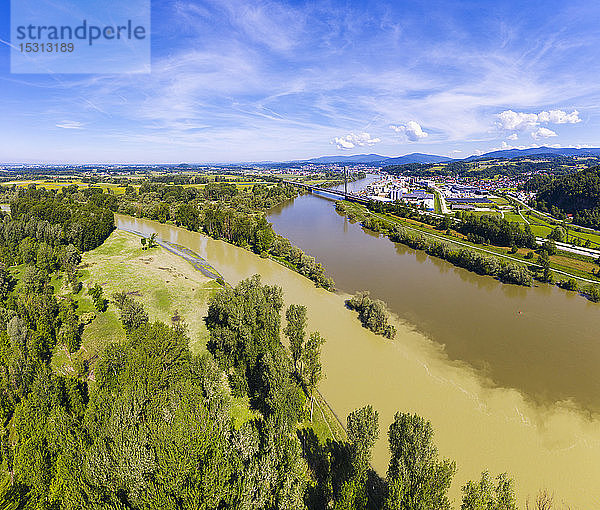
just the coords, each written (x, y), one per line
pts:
(540, 442)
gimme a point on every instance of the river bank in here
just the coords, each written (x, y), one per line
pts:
(479, 426)
(539, 340)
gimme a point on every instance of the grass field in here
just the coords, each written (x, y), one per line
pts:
(485, 213)
(500, 201)
(512, 217)
(290, 177)
(163, 282)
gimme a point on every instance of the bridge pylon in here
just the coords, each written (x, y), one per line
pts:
(345, 181)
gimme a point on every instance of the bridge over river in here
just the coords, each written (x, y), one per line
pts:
(352, 197)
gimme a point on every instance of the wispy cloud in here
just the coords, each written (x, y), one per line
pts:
(70, 124)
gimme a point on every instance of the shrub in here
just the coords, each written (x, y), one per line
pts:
(372, 314)
(100, 303)
(570, 284)
(593, 293)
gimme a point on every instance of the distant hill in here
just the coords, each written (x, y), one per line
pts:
(358, 158)
(376, 158)
(538, 151)
(417, 157)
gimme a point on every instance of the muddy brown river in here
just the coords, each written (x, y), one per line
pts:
(508, 376)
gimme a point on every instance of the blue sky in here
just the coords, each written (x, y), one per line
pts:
(252, 81)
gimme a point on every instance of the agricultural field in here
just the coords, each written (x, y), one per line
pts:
(51, 184)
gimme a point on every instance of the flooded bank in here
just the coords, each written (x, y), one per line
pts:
(554, 446)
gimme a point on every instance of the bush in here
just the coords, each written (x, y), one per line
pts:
(550, 247)
(513, 273)
(100, 304)
(132, 313)
(372, 314)
(593, 293)
(558, 234)
(570, 284)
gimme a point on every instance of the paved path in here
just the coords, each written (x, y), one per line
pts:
(442, 199)
(579, 250)
(524, 219)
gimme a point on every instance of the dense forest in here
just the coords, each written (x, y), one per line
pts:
(495, 230)
(58, 219)
(577, 194)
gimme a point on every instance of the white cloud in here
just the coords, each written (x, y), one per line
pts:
(543, 133)
(514, 136)
(507, 146)
(412, 130)
(70, 124)
(352, 140)
(520, 121)
(456, 151)
(559, 117)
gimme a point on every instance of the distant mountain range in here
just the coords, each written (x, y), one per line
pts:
(418, 157)
(378, 159)
(538, 151)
